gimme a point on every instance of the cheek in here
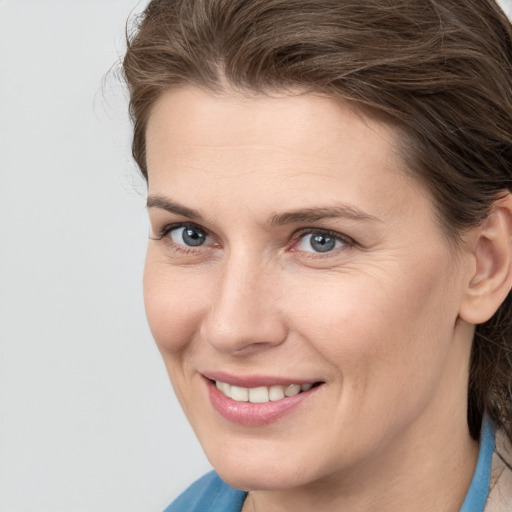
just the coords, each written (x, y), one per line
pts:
(387, 343)
(388, 323)
(173, 305)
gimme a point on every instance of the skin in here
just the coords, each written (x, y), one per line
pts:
(377, 319)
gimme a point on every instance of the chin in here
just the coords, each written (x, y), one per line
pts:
(271, 471)
(261, 479)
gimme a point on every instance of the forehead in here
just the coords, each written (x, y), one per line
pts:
(190, 115)
(306, 143)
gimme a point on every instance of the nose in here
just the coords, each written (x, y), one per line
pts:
(245, 313)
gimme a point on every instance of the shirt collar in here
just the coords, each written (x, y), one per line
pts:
(479, 488)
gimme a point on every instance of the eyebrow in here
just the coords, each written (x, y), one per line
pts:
(279, 219)
(316, 214)
(172, 207)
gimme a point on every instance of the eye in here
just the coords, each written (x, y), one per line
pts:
(321, 241)
(192, 236)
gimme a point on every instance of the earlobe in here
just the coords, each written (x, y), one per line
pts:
(491, 276)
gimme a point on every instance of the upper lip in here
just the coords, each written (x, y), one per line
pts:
(254, 381)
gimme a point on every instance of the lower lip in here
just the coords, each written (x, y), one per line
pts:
(256, 415)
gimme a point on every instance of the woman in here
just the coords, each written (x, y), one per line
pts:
(329, 263)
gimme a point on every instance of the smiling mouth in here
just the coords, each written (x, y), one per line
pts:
(262, 394)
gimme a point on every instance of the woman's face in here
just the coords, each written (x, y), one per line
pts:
(289, 247)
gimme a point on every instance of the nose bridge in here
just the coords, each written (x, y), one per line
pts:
(244, 312)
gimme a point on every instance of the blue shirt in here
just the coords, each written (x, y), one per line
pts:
(211, 494)
(479, 488)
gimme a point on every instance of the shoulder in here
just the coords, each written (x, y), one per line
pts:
(500, 496)
(208, 494)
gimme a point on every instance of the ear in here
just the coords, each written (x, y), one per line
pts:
(490, 278)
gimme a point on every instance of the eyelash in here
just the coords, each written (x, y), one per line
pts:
(295, 238)
(183, 249)
(347, 242)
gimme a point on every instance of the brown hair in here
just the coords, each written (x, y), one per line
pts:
(442, 69)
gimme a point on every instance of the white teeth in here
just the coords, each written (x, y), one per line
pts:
(292, 390)
(222, 386)
(275, 393)
(226, 389)
(261, 394)
(258, 395)
(239, 394)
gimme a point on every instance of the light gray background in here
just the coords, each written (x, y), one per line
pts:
(88, 421)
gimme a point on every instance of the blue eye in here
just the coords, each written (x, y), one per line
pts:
(188, 235)
(320, 241)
